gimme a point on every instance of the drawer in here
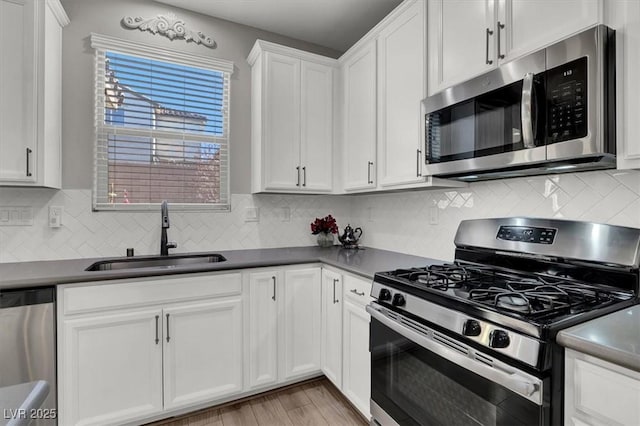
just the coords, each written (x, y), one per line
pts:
(357, 290)
(106, 295)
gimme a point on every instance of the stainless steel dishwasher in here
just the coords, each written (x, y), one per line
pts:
(28, 357)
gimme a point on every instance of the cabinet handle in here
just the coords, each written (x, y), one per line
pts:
(355, 291)
(168, 337)
(369, 164)
(334, 291)
(274, 288)
(418, 152)
(157, 338)
(29, 161)
(304, 176)
(298, 173)
(489, 33)
(500, 27)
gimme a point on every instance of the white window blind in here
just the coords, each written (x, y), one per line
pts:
(162, 128)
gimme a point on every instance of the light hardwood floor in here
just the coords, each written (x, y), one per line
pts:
(312, 403)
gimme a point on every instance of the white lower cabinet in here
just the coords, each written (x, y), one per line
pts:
(137, 356)
(202, 352)
(111, 368)
(262, 315)
(332, 302)
(346, 360)
(300, 316)
(599, 393)
(283, 325)
(356, 359)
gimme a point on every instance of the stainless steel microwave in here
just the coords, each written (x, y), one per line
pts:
(547, 112)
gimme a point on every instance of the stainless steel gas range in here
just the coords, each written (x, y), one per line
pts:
(473, 342)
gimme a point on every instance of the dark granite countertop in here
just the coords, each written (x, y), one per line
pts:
(365, 262)
(614, 338)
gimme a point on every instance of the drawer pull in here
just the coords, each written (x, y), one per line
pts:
(157, 338)
(356, 292)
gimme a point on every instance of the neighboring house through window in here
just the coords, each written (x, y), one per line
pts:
(162, 128)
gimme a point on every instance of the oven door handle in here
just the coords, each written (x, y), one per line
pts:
(528, 387)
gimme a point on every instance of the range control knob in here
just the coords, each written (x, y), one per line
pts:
(398, 300)
(384, 295)
(498, 339)
(471, 328)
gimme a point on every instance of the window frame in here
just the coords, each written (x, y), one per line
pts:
(101, 44)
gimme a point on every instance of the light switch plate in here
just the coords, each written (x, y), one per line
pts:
(433, 215)
(16, 216)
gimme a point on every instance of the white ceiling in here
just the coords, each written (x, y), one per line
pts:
(337, 24)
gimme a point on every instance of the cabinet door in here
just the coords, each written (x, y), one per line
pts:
(598, 392)
(359, 139)
(460, 46)
(316, 129)
(110, 368)
(202, 352)
(281, 156)
(300, 318)
(356, 379)
(263, 331)
(331, 344)
(18, 29)
(401, 87)
(532, 24)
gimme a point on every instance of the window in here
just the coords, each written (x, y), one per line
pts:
(162, 128)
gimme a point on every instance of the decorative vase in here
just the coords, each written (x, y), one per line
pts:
(325, 239)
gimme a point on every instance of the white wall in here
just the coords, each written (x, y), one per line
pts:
(103, 17)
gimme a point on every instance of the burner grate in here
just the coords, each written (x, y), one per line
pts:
(521, 294)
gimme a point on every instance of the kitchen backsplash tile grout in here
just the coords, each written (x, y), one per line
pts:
(398, 221)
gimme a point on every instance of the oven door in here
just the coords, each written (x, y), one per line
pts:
(422, 377)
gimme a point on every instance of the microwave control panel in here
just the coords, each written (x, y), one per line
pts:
(527, 234)
(567, 101)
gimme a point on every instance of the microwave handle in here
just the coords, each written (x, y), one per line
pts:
(526, 113)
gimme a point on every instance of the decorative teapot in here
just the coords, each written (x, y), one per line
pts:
(349, 238)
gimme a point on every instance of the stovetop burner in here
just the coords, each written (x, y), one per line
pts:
(528, 296)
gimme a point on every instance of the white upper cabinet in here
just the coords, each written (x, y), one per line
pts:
(624, 17)
(30, 92)
(461, 37)
(359, 137)
(401, 87)
(292, 119)
(527, 25)
(467, 38)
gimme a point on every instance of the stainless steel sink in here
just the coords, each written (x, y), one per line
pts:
(169, 262)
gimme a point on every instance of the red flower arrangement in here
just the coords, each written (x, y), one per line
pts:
(327, 225)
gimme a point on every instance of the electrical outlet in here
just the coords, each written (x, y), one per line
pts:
(252, 214)
(55, 216)
(433, 215)
(286, 214)
(370, 214)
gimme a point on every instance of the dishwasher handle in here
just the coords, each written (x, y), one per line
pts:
(12, 298)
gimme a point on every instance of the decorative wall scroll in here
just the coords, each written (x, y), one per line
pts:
(170, 26)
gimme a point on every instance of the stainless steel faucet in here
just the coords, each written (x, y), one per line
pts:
(164, 245)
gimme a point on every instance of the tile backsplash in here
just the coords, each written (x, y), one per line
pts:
(418, 222)
(99, 234)
(424, 223)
